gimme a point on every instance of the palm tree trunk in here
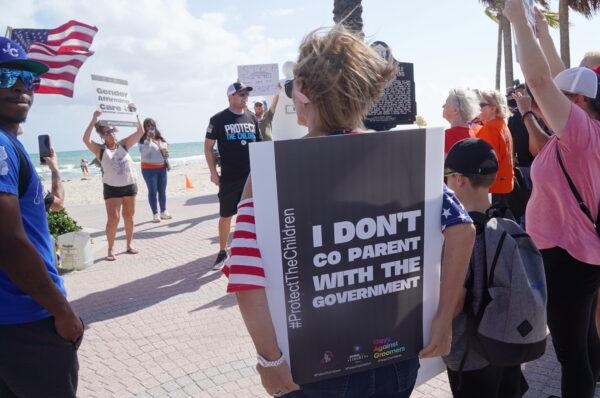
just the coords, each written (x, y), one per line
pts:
(563, 12)
(349, 13)
(499, 56)
(508, 59)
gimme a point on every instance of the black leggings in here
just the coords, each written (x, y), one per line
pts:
(489, 382)
(572, 287)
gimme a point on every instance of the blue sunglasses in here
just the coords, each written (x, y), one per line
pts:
(8, 78)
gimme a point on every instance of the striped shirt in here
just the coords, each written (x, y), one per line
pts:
(245, 268)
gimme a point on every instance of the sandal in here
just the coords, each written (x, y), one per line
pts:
(110, 257)
(131, 250)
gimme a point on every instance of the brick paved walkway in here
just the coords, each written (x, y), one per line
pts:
(161, 325)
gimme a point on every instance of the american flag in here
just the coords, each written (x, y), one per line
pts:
(63, 49)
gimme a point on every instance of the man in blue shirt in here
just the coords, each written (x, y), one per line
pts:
(39, 331)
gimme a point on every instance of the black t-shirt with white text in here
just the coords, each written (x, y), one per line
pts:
(233, 132)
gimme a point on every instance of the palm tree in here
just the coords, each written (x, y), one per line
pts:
(349, 13)
(586, 8)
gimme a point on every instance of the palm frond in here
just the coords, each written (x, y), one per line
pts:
(587, 8)
(492, 14)
(552, 17)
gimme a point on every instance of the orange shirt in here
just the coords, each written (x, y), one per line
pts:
(496, 133)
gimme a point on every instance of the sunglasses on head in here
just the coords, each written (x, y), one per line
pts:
(109, 131)
(9, 77)
(288, 86)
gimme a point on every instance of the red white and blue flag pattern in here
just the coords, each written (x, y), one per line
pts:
(63, 49)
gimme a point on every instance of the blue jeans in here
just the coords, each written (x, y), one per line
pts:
(391, 381)
(156, 181)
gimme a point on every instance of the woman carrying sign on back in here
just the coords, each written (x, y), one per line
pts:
(337, 80)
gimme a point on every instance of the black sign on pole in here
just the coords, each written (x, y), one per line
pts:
(398, 103)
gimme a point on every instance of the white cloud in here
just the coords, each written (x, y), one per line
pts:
(178, 64)
(280, 12)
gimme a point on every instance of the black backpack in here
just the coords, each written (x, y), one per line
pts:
(517, 199)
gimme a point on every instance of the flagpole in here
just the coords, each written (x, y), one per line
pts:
(8, 31)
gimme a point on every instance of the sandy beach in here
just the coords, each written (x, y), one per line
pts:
(87, 191)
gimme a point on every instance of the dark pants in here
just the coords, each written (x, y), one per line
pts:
(156, 181)
(391, 381)
(489, 382)
(230, 193)
(572, 287)
(36, 362)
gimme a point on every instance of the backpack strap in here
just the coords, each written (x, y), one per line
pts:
(578, 197)
(24, 168)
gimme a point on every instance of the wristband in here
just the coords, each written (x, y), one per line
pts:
(265, 363)
(527, 114)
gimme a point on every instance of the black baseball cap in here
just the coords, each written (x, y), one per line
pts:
(471, 156)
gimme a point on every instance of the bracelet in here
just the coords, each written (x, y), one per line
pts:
(265, 363)
(527, 114)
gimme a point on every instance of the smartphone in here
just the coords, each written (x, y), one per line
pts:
(44, 145)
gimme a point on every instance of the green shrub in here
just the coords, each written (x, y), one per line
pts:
(59, 222)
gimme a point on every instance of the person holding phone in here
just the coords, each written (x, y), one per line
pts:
(39, 331)
(155, 153)
(55, 198)
(118, 177)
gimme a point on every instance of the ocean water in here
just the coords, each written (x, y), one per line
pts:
(69, 161)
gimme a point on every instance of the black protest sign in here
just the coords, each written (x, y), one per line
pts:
(398, 103)
(351, 216)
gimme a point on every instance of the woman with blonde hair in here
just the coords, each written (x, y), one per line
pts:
(337, 80)
(493, 113)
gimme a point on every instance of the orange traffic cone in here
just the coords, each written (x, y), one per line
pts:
(188, 183)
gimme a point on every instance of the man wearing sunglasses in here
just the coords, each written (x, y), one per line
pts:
(39, 331)
(232, 130)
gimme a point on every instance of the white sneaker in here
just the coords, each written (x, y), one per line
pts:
(165, 215)
(156, 218)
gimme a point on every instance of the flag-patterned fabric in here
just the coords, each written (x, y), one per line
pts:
(453, 212)
(244, 268)
(63, 49)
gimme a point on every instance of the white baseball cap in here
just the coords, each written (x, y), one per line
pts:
(579, 80)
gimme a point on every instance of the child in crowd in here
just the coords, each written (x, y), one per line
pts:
(470, 168)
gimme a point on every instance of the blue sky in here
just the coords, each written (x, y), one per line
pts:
(179, 56)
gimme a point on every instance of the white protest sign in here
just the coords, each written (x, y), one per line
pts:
(113, 98)
(263, 78)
